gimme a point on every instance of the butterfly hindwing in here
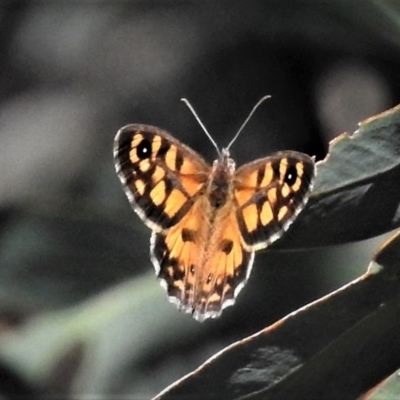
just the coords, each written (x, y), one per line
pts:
(269, 194)
(202, 277)
(161, 176)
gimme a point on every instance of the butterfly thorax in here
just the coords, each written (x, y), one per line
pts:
(219, 186)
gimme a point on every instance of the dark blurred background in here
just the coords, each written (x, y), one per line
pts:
(81, 312)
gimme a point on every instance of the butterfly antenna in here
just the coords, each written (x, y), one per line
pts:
(201, 124)
(247, 120)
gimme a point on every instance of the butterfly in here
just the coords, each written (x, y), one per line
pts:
(207, 220)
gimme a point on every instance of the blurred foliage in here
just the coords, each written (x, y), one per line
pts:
(81, 311)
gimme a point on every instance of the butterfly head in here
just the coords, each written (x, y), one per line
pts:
(225, 161)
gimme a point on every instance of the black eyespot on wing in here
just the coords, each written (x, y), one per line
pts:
(291, 175)
(143, 149)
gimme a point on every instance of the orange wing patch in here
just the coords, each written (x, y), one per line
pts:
(158, 193)
(170, 158)
(250, 217)
(266, 215)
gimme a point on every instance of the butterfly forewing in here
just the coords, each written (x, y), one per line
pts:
(161, 177)
(270, 192)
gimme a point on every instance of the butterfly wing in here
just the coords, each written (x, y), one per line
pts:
(161, 177)
(269, 194)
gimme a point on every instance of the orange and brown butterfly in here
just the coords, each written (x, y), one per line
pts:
(207, 220)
